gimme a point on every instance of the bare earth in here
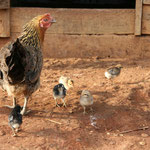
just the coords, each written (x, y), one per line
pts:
(120, 105)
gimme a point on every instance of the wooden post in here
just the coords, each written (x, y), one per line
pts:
(4, 4)
(4, 18)
(138, 17)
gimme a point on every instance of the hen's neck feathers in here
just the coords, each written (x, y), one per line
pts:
(32, 34)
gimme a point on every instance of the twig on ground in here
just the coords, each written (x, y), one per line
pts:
(54, 121)
(128, 131)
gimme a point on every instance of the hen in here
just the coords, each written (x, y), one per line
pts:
(21, 61)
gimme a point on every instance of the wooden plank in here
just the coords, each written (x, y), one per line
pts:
(146, 2)
(79, 21)
(146, 20)
(4, 23)
(104, 46)
(138, 17)
(4, 4)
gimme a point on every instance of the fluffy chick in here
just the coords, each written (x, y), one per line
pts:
(86, 99)
(15, 119)
(67, 82)
(113, 71)
(59, 92)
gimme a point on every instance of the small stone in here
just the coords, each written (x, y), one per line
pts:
(144, 135)
(78, 140)
(70, 111)
(120, 134)
(2, 133)
(142, 143)
(112, 143)
(108, 133)
(91, 132)
(115, 134)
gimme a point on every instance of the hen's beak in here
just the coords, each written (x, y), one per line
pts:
(53, 21)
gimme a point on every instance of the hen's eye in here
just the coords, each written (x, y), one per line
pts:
(45, 20)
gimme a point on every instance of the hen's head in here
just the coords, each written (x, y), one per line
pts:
(41, 22)
(35, 29)
(46, 21)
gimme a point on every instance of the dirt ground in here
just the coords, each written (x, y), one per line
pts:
(120, 105)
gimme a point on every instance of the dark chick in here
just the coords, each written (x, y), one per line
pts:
(15, 119)
(113, 72)
(59, 92)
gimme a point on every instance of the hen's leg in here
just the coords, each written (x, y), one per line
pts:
(14, 103)
(13, 130)
(24, 112)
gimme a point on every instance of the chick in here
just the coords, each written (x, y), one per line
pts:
(113, 71)
(86, 99)
(59, 92)
(67, 82)
(15, 119)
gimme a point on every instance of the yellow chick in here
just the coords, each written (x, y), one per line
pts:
(67, 82)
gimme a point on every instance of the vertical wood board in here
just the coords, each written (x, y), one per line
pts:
(4, 23)
(4, 4)
(138, 17)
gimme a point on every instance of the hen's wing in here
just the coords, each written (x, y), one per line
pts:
(19, 63)
(12, 62)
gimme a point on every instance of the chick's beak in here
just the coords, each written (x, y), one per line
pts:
(53, 21)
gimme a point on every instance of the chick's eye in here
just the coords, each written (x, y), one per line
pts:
(45, 20)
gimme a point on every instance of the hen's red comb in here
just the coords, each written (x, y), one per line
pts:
(47, 15)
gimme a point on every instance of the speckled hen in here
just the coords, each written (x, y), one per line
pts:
(21, 60)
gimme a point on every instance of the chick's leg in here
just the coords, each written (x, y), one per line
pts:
(13, 130)
(14, 103)
(56, 104)
(64, 104)
(84, 112)
(18, 129)
(91, 109)
(24, 112)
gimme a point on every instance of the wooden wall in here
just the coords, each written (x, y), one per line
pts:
(87, 32)
(78, 21)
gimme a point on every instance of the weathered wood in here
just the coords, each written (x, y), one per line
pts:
(79, 21)
(146, 2)
(4, 4)
(4, 23)
(82, 46)
(78, 33)
(138, 17)
(146, 19)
